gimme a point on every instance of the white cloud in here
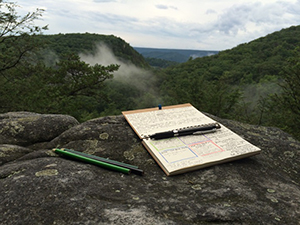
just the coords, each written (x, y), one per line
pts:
(160, 6)
(210, 11)
(101, 1)
(193, 24)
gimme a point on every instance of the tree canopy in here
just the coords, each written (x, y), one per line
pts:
(15, 32)
(256, 82)
(242, 83)
(68, 86)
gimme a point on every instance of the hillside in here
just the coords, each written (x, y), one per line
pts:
(243, 83)
(239, 84)
(175, 55)
(62, 44)
(247, 62)
(68, 83)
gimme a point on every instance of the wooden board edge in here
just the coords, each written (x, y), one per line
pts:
(156, 108)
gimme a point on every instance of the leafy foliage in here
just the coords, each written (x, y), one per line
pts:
(288, 102)
(160, 63)
(256, 82)
(15, 31)
(72, 87)
(62, 44)
(291, 90)
(242, 83)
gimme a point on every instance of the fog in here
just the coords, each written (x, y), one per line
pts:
(127, 73)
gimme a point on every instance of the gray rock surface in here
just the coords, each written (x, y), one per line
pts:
(39, 187)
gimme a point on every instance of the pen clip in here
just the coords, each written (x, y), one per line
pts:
(204, 131)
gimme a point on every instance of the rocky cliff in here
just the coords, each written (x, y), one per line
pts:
(39, 187)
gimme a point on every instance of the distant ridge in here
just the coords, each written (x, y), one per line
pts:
(176, 55)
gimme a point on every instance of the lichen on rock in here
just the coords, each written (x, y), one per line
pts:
(37, 185)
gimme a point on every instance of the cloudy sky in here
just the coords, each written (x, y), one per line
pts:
(180, 24)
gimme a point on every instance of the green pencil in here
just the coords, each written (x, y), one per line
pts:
(92, 161)
(133, 169)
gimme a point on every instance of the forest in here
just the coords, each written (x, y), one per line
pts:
(92, 75)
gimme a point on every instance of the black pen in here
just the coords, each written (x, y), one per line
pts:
(208, 128)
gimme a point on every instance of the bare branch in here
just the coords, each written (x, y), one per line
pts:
(14, 30)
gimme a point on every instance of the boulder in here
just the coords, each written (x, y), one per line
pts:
(38, 186)
(26, 128)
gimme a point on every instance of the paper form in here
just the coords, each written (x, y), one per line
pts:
(183, 152)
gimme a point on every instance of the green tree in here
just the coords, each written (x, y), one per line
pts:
(291, 85)
(71, 87)
(15, 34)
(16, 47)
(290, 97)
